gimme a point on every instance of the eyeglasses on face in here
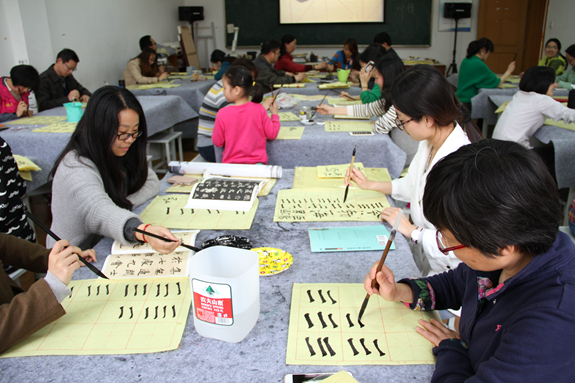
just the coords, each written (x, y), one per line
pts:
(441, 244)
(553, 48)
(124, 136)
(70, 69)
(401, 124)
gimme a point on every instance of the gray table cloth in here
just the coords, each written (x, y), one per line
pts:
(192, 92)
(318, 147)
(161, 113)
(482, 107)
(563, 141)
(261, 356)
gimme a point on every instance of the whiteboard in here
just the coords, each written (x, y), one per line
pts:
(331, 11)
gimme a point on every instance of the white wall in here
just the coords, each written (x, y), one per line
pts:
(36, 33)
(441, 42)
(560, 22)
(6, 52)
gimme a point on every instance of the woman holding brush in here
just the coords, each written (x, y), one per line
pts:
(102, 174)
(429, 112)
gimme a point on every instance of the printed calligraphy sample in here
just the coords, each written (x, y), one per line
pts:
(224, 194)
(348, 126)
(187, 189)
(313, 205)
(147, 265)
(336, 171)
(306, 178)
(290, 133)
(324, 328)
(170, 211)
(107, 316)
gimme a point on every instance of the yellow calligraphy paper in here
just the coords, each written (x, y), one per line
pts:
(336, 171)
(348, 126)
(107, 316)
(507, 86)
(163, 85)
(502, 107)
(58, 127)
(294, 85)
(560, 124)
(37, 120)
(25, 164)
(324, 330)
(313, 205)
(347, 117)
(288, 116)
(290, 133)
(306, 178)
(340, 377)
(341, 101)
(335, 85)
(147, 265)
(170, 211)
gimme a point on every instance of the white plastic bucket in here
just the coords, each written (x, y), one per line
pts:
(226, 292)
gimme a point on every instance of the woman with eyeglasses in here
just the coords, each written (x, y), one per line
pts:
(553, 57)
(429, 112)
(497, 208)
(567, 79)
(103, 173)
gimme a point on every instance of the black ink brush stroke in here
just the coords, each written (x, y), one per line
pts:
(321, 296)
(350, 341)
(309, 322)
(333, 301)
(381, 353)
(362, 341)
(311, 300)
(349, 320)
(332, 322)
(311, 350)
(323, 353)
(320, 316)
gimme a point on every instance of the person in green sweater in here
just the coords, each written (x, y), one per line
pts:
(371, 91)
(567, 79)
(475, 74)
(553, 57)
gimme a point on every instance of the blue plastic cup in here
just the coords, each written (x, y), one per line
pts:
(74, 111)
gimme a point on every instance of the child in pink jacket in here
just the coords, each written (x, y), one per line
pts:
(14, 92)
(244, 127)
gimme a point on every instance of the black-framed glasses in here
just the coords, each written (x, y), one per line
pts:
(124, 136)
(70, 69)
(441, 244)
(401, 124)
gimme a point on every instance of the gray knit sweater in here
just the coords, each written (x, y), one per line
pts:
(82, 211)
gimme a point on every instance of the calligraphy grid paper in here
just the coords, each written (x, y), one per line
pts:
(169, 211)
(128, 316)
(306, 178)
(324, 330)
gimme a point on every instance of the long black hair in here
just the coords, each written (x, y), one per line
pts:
(475, 46)
(95, 134)
(494, 194)
(390, 67)
(285, 40)
(239, 75)
(352, 46)
(556, 41)
(423, 91)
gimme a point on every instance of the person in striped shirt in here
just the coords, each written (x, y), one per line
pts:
(215, 100)
(387, 68)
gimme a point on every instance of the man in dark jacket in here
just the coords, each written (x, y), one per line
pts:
(267, 75)
(58, 86)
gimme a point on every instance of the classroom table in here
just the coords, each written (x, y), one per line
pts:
(161, 114)
(563, 141)
(261, 356)
(482, 107)
(192, 92)
(328, 148)
(312, 88)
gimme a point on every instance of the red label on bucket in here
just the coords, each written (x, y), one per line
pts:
(213, 302)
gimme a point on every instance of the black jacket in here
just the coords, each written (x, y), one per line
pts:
(50, 95)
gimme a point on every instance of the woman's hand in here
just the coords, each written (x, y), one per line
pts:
(319, 66)
(434, 331)
(163, 76)
(159, 245)
(330, 67)
(364, 76)
(299, 77)
(63, 260)
(325, 109)
(511, 67)
(390, 214)
(358, 177)
(388, 289)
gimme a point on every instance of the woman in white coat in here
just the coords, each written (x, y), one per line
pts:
(430, 113)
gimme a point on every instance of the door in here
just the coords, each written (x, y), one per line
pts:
(505, 23)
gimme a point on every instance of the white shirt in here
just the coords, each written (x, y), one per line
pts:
(526, 113)
(411, 187)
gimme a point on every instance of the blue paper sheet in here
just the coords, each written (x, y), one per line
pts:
(355, 238)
